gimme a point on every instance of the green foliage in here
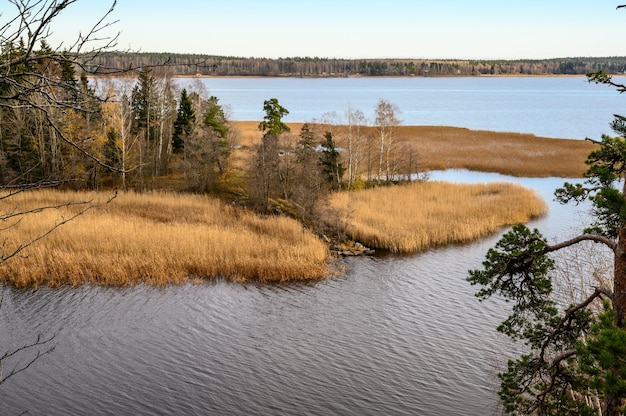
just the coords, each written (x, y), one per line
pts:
(215, 119)
(112, 152)
(330, 160)
(207, 146)
(607, 166)
(272, 123)
(576, 359)
(306, 144)
(603, 356)
(142, 98)
(517, 269)
(183, 125)
(69, 81)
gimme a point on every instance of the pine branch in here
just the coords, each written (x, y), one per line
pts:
(583, 237)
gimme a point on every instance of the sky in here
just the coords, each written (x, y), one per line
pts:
(436, 29)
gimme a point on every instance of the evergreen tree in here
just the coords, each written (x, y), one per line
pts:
(272, 124)
(69, 81)
(143, 102)
(265, 183)
(332, 168)
(309, 184)
(576, 359)
(306, 144)
(183, 125)
(207, 148)
(215, 120)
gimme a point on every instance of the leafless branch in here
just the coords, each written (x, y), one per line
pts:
(90, 205)
(19, 367)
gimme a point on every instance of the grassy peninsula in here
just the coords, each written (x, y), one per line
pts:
(168, 237)
(165, 238)
(407, 219)
(171, 238)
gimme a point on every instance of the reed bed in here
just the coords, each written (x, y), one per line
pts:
(158, 239)
(412, 218)
(486, 151)
(440, 147)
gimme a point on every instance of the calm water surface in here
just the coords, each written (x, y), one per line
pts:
(391, 336)
(562, 107)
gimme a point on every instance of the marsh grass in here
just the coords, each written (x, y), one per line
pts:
(508, 153)
(441, 147)
(157, 239)
(412, 218)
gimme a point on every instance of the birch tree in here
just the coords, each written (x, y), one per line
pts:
(354, 143)
(386, 122)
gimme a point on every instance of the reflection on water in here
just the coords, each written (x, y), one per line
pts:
(392, 336)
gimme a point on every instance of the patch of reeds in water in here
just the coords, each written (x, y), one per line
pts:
(157, 239)
(440, 147)
(412, 218)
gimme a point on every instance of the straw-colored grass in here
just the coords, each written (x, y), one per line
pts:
(157, 239)
(411, 218)
(487, 151)
(440, 147)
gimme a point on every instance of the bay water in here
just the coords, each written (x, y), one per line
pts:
(392, 335)
(558, 107)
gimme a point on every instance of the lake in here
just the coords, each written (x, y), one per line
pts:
(393, 335)
(559, 107)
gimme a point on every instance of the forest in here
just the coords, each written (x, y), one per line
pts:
(112, 62)
(146, 133)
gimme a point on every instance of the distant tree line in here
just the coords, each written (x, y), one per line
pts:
(209, 65)
(145, 132)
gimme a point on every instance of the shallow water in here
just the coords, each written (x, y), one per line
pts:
(392, 335)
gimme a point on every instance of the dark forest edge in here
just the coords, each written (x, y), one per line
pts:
(109, 63)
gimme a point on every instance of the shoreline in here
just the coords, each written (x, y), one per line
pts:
(201, 76)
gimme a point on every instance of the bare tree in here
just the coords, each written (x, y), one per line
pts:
(354, 143)
(386, 123)
(37, 92)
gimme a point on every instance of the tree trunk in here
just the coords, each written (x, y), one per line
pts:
(612, 404)
(619, 279)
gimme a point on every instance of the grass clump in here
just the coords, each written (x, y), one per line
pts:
(157, 239)
(412, 218)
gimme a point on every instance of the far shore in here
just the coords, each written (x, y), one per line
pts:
(379, 76)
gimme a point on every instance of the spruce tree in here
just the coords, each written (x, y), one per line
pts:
(183, 125)
(330, 160)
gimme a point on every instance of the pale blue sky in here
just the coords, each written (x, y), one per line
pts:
(481, 29)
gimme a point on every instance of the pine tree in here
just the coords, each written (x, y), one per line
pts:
(265, 183)
(215, 120)
(575, 359)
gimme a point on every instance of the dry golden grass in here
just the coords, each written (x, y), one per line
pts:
(157, 239)
(508, 153)
(459, 148)
(411, 218)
